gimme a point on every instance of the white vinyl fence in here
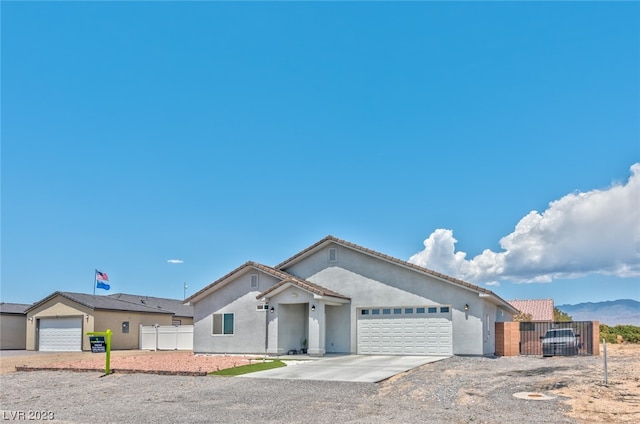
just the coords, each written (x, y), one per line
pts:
(166, 337)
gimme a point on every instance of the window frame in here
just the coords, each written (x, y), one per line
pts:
(223, 324)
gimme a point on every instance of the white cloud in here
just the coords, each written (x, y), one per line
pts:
(175, 261)
(596, 232)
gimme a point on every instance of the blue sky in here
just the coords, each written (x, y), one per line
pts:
(496, 142)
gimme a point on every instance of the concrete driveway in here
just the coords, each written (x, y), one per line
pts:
(354, 368)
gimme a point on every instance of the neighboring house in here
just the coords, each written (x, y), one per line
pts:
(60, 321)
(539, 309)
(338, 297)
(182, 313)
(13, 326)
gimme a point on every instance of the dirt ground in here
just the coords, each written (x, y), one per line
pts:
(591, 401)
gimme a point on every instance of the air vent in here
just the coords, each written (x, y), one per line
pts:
(333, 254)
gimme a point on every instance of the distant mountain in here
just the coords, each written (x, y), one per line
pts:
(614, 312)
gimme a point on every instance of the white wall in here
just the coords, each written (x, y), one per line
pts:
(289, 323)
(250, 324)
(338, 329)
(368, 281)
(293, 327)
(372, 282)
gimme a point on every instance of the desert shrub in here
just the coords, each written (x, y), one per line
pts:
(523, 317)
(630, 333)
(560, 316)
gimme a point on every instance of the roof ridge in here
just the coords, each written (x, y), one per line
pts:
(257, 265)
(391, 259)
(305, 285)
(81, 299)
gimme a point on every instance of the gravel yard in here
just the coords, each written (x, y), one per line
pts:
(456, 390)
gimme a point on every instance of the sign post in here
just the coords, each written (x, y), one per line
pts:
(101, 343)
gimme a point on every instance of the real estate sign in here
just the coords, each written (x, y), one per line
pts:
(98, 344)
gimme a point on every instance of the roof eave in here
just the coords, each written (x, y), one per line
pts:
(54, 294)
(398, 262)
(226, 279)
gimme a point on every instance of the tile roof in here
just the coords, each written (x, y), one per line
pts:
(388, 258)
(108, 303)
(174, 305)
(306, 285)
(540, 309)
(13, 308)
(279, 274)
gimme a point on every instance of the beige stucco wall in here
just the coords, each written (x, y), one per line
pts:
(98, 320)
(184, 320)
(58, 307)
(113, 320)
(13, 331)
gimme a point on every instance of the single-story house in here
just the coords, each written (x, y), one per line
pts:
(60, 321)
(182, 313)
(541, 310)
(13, 325)
(338, 297)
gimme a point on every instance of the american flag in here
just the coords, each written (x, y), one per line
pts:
(101, 276)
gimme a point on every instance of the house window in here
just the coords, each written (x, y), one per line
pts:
(333, 254)
(444, 309)
(386, 311)
(432, 310)
(408, 310)
(254, 281)
(125, 326)
(419, 310)
(397, 311)
(262, 307)
(365, 312)
(375, 312)
(222, 324)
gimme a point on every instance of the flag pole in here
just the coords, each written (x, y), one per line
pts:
(95, 273)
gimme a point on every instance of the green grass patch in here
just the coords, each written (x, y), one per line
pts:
(246, 369)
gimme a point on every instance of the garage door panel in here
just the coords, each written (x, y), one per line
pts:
(60, 335)
(405, 334)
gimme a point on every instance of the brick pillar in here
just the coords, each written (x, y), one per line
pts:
(507, 338)
(596, 337)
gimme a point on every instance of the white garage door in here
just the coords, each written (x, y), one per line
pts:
(60, 334)
(422, 330)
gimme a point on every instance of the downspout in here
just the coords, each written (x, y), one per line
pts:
(266, 328)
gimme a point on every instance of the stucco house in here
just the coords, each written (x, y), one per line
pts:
(338, 297)
(13, 325)
(60, 321)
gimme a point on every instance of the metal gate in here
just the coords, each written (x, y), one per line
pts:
(557, 338)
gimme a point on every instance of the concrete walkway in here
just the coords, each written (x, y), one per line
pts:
(355, 368)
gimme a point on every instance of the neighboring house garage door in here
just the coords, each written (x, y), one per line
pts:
(424, 330)
(60, 334)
